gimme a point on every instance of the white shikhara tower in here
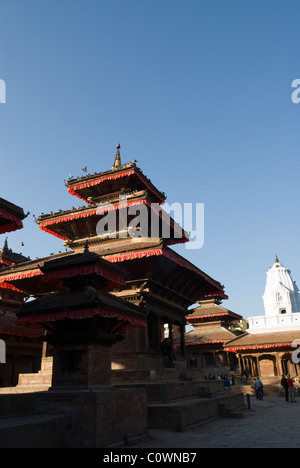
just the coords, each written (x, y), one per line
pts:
(281, 301)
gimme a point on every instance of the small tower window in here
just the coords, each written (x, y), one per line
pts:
(283, 311)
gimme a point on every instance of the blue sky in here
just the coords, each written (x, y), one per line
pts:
(198, 92)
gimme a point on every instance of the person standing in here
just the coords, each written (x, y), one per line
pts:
(259, 389)
(291, 387)
(284, 384)
(226, 385)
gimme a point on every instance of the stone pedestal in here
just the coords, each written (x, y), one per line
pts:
(96, 419)
(96, 414)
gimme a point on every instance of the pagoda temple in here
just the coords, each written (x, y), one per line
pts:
(108, 303)
(161, 281)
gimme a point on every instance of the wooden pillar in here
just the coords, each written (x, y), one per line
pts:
(182, 339)
(170, 324)
(258, 365)
(239, 358)
(278, 363)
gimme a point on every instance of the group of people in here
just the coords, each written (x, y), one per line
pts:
(288, 384)
(220, 377)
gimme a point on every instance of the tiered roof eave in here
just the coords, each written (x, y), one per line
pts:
(11, 216)
(85, 187)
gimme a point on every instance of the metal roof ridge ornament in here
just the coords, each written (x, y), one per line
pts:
(117, 163)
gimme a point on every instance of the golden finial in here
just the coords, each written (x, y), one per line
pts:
(276, 259)
(117, 162)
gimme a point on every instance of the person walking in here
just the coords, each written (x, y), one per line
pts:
(291, 387)
(284, 384)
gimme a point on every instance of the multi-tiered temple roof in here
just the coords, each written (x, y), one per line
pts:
(123, 186)
(78, 225)
(11, 216)
(75, 288)
(212, 324)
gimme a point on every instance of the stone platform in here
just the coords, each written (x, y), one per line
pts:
(179, 399)
(22, 427)
(181, 415)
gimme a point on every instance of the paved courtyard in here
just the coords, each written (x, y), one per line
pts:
(272, 423)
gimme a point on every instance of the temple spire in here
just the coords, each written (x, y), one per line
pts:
(5, 246)
(276, 259)
(117, 163)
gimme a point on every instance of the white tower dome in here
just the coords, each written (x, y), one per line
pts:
(281, 302)
(281, 294)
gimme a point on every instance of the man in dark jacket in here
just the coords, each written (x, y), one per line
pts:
(284, 384)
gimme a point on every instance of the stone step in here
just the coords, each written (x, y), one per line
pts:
(23, 390)
(155, 374)
(164, 391)
(183, 414)
(32, 431)
(144, 375)
(35, 379)
(172, 391)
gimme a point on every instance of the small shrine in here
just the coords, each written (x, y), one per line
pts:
(82, 320)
